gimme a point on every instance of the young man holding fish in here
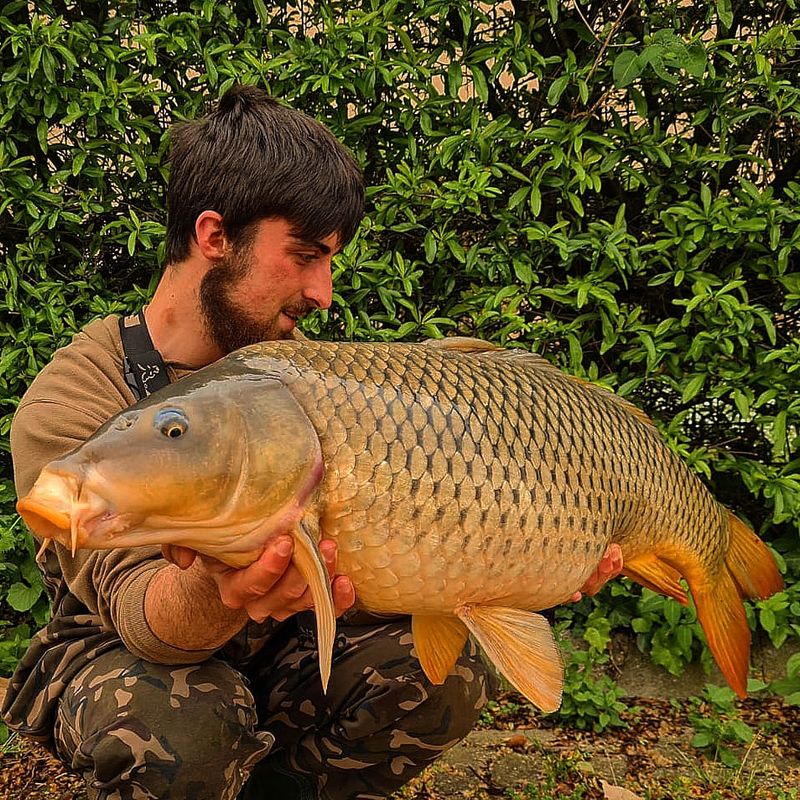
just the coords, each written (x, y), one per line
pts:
(168, 675)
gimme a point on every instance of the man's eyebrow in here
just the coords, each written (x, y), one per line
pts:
(323, 248)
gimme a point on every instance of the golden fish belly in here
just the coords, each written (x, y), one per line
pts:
(434, 571)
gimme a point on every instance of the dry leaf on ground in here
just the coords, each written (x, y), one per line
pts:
(617, 792)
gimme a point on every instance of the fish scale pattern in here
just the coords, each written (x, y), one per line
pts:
(443, 463)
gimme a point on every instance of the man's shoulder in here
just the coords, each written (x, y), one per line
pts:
(82, 387)
(89, 370)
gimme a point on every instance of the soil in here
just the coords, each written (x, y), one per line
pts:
(517, 753)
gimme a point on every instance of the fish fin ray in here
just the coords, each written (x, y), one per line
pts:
(750, 563)
(522, 647)
(656, 574)
(311, 565)
(438, 642)
(749, 571)
(724, 622)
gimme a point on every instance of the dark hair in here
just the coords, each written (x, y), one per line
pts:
(253, 158)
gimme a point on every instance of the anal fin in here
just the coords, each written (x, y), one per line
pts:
(311, 565)
(656, 574)
(522, 647)
(438, 642)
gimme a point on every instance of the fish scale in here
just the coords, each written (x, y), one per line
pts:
(464, 485)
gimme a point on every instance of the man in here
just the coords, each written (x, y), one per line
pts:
(167, 675)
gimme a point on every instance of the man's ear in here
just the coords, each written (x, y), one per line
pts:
(210, 235)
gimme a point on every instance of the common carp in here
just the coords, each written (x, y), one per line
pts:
(466, 485)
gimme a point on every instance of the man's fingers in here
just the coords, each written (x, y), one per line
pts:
(344, 594)
(240, 587)
(327, 548)
(279, 606)
(611, 565)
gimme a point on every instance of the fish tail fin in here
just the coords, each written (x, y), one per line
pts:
(750, 562)
(748, 570)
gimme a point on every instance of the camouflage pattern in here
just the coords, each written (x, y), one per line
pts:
(139, 730)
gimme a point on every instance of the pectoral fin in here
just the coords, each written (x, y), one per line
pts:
(311, 565)
(522, 647)
(438, 642)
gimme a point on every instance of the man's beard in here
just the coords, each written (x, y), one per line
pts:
(228, 325)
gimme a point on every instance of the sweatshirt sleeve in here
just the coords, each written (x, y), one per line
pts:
(68, 401)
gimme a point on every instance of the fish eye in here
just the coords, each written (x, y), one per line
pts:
(171, 422)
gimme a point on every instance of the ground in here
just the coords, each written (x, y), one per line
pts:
(517, 754)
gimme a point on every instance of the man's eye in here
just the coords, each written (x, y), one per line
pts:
(308, 258)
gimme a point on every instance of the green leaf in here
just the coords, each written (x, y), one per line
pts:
(742, 403)
(742, 731)
(454, 78)
(557, 89)
(701, 740)
(705, 197)
(261, 10)
(22, 597)
(431, 248)
(696, 61)
(693, 387)
(479, 83)
(627, 68)
(725, 13)
(779, 434)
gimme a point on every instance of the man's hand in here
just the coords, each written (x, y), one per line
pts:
(609, 567)
(271, 586)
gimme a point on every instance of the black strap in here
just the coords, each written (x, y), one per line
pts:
(145, 370)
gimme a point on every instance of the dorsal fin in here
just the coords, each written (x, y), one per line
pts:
(463, 344)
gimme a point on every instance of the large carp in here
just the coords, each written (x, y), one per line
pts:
(464, 484)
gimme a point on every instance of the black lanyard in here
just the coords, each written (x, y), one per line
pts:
(145, 370)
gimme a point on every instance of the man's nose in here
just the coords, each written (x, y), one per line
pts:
(319, 289)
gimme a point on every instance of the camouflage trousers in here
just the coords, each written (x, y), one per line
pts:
(140, 730)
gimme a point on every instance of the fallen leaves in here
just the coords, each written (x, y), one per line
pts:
(617, 792)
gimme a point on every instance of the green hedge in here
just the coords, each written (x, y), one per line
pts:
(612, 184)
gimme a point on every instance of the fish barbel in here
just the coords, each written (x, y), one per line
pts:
(464, 484)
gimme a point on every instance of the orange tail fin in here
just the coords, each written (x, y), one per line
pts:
(749, 570)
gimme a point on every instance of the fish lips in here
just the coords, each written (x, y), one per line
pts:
(58, 508)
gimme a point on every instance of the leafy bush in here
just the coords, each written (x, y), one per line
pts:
(614, 185)
(591, 698)
(718, 726)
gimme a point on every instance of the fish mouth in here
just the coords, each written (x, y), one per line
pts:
(57, 507)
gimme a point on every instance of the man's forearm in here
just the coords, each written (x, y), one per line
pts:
(183, 609)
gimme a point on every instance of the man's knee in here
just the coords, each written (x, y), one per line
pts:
(148, 730)
(460, 698)
(382, 721)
